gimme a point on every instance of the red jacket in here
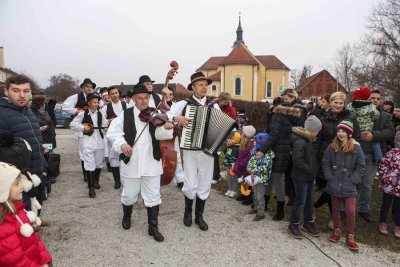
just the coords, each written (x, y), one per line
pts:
(229, 110)
(17, 250)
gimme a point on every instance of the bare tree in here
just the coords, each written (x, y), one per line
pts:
(346, 66)
(62, 86)
(296, 75)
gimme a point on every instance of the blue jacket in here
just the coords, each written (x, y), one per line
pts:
(23, 123)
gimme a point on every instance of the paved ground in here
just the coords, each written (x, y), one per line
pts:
(88, 232)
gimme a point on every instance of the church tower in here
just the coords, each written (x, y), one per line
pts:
(239, 35)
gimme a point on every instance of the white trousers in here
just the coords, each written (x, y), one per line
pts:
(92, 158)
(179, 174)
(199, 169)
(148, 186)
(106, 148)
(112, 155)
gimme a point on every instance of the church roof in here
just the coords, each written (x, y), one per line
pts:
(239, 55)
(305, 82)
(271, 62)
(212, 63)
(216, 77)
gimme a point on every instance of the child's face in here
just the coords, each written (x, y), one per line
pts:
(342, 135)
(313, 134)
(16, 190)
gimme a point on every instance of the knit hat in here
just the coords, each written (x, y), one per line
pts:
(249, 131)
(347, 126)
(15, 151)
(8, 174)
(261, 139)
(313, 124)
(363, 93)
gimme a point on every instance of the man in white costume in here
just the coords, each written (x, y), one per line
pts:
(141, 164)
(198, 166)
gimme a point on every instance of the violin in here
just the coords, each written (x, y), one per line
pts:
(150, 115)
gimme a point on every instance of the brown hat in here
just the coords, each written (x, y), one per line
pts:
(198, 76)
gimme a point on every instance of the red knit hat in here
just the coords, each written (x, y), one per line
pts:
(363, 93)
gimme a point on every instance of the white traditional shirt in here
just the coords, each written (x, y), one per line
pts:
(70, 103)
(177, 108)
(117, 107)
(142, 162)
(152, 104)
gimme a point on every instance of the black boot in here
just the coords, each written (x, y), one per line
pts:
(117, 179)
(126, 220)
(152, 215)
(84, 171)
(187, 217)
(199, 214)
(266, 199)
(90, 181)
(109, 168)
(97, 178)
(280, 211)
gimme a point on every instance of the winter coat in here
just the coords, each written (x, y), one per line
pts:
(305, 165)
(49, 135)
(240, 167)
(280, 132)
(343, 171)
(319, 112)
(231, 155)
(261, 166)
(389, 172)
(365, 112)
(17, 250)
(397, 137)
(299, 121)
(21, 122)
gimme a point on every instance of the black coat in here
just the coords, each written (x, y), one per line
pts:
(49, 135)
(305, 165)
(280, 130)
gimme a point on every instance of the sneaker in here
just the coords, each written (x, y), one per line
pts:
(294, 230)
(228, 193)
(309, 228)
(216, 181)
(383, 228)
(335, 237)
(366, 216)
(377, 177)
(240, 198)
(351, 243)
(397, 232)
(258, 218)
(232, 194)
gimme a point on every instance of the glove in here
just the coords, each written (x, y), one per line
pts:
(231, 172)
(240, 180)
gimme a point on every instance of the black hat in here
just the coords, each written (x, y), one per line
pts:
(92, 96)
(198, 76)
(145, 78)
(15, 151)
(140, 88)
(129, 93)
(87, 80)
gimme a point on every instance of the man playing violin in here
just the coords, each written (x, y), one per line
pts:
(76, 103)
(111, 111)
(138, 143)
(89, 126)
(198, 166)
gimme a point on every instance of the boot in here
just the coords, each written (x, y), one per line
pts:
(266, 199)
(199, 214)
(335, 237)
(84, 172)
(351, 242)
(109, 168)
(97, 178)
(280, 211)
(187, 217)
(116, 175)
(126, 219)
(90, 181)
(152, 215)
(294, 230)
(310, 228)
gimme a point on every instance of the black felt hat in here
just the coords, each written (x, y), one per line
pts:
(87, 80)
(92, 96)
(145, 78)
(198, 76)
(140, 88)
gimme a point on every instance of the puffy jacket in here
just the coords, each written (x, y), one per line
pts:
(21, 122)
(280, 130)
(389, 172)
(240, 166)
(305, 164)
(17, 250)
(343, 171)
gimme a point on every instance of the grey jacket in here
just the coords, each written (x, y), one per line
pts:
(343, 171)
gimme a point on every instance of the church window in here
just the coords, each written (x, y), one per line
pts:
(269, 89)
(214, 88)
(238, 85)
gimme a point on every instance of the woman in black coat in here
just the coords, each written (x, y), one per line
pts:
(45, 122)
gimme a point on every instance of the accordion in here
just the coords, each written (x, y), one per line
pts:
(207, 130)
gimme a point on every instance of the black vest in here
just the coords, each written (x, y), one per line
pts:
(157, 99)
(110, 110)
(130, 132)
(81, 101)
(88, 119)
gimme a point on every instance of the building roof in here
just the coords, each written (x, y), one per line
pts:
(239, 55)
(9, 71)
(272, 62)
(212, 63)
(305, 82)
(216, 77)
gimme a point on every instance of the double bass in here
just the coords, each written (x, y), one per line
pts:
(168, 153)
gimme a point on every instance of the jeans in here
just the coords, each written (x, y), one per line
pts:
(233, 184)
(387, 201)
(258, 198)
(304, 199)
(376, 147)
(366, 184)
(277, 180)
(350, 208)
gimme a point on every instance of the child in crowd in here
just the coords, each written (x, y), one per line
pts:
(239, 169)
(366, 114)
(389, 172)
(231, 154)
(260, 173)
(304, 171)
(343, 165)
(19, 244)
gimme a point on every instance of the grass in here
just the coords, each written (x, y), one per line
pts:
(366, 233)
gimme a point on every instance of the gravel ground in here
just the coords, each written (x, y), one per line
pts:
(88, 232)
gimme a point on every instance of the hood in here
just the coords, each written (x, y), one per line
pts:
(299, 104)
(288, 111)
(299, 132)
(6, 104)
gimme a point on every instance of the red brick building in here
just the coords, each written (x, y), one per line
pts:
(319, 84)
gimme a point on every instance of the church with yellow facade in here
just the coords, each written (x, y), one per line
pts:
(244, 75)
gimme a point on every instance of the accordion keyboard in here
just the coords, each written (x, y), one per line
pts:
(187, 132)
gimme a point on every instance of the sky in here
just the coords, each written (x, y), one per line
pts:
(118, 41)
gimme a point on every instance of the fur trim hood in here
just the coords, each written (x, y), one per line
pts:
(288, 111)
(302, 132)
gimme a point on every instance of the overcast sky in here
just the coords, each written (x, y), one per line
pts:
(117, 41)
